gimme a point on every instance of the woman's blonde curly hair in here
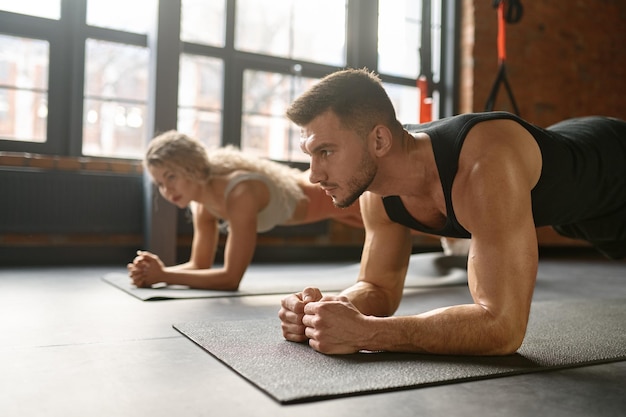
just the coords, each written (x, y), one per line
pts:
(190, 157)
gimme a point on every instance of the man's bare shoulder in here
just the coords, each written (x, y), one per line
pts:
(500, 146)
(373, 210)
(499, 165)
(500, 135)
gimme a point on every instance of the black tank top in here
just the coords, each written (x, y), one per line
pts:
(583, 171)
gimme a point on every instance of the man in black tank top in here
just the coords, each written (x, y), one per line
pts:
(491, 177)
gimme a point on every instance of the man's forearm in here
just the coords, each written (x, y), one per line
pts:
(462, 330)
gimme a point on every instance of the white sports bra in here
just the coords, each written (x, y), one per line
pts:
(280, 207)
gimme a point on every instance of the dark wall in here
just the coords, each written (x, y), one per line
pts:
(50, 216)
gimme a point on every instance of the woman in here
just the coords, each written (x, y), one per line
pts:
(227, 188)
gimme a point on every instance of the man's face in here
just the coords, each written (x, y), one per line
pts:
(340, 161)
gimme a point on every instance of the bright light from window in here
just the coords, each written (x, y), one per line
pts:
(312, 31)
(399, 37)
(131, 16)
(23, 88)
(50, 9)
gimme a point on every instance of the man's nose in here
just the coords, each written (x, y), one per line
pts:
(315, 174)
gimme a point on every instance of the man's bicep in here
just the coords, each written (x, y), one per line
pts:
(502, 263)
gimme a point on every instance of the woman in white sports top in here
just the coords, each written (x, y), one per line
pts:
(249, 194)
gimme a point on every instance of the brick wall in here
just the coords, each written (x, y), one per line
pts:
(564, 58)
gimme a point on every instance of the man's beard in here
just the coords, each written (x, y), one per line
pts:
(359, 183)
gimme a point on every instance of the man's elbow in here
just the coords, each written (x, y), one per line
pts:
(382, 305)
(507, 347)
(507, 339)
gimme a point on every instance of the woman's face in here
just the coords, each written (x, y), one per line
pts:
(175, 187)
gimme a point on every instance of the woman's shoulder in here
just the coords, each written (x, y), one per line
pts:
(242, 176)
(239, 183)
(201, 211)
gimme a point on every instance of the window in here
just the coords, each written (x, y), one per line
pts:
(236, 65)
(23, 88)
(399, 37)
(312, 31)
(266, 132)
(203, 22)
(404, 99)
(403, 52)
(200, 91)
(50, 9)
(116, 95)
(131, 16)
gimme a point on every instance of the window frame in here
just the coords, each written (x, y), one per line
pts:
(67, 37)
(18, 25)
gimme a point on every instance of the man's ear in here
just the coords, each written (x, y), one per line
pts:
(381, 140)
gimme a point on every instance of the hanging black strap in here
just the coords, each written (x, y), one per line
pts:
(510, 11)
(513, 10)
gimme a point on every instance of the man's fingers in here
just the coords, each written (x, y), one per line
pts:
(311, 294)
(290, 316)
(292, 303)
(292, 312)
(291, 324)
(293, 332)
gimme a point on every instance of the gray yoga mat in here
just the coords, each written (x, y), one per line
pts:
(425, 270)
(560, 335)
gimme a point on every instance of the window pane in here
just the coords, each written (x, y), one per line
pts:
(291, 29)
(200, 92)
(206, 126)
(266, 131)
(399, 37)
(406, 102)
(203, 21)
(130, 16)
(115, 70)
(23, 88)
(50, 9)
(116, 96)
(114, 129)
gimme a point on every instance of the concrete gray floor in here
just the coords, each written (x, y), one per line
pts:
(72, 345)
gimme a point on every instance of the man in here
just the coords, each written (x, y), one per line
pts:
(491, 176)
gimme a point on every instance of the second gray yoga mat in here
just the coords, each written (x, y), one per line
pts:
(560, 335)
(425, 270)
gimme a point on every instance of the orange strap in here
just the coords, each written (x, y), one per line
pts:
(509, 11)
(425, 102)
(501, 33)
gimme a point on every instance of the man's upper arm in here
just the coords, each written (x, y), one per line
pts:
(493, 201)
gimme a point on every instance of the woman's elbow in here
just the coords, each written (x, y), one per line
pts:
(232, 280)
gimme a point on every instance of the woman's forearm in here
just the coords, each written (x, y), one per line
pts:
(181, 267)
(208, 279)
